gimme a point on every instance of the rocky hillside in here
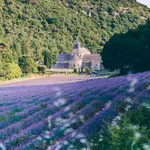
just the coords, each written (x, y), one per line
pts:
(29, 27)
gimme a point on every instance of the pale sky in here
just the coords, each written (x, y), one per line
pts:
(146, 2)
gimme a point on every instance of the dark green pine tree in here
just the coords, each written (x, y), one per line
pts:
(48, 59)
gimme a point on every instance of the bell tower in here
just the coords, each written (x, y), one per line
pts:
(77, 45)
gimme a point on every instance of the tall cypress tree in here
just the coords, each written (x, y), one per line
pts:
(47, 59)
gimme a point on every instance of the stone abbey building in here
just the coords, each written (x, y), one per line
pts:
(79, 57)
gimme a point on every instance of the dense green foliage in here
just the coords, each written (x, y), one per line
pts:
(129, 51)
(8, 68)
(27, 65)
(10, 71)
(131, 133)
(47, 59)
(42, 69)
(30, 27)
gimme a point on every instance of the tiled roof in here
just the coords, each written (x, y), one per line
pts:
(63, 57)
(76, 58)
(84, 51)
(80, 51)
(86, 57)
(91, 57)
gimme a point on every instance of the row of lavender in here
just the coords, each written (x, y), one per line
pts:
(138, 92)
(68, 114)
(25, 118)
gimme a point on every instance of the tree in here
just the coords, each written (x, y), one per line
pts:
(8, 68)
(128, 51)
(5, 53)
(27, 65)
(115, 53)
(48, 59)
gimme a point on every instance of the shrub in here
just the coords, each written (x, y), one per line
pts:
(132, 132)
(42, 69)
(15, 71)
(10, 71)
(88, 70)
(75, 70)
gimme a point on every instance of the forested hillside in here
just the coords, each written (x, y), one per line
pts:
(30, 27)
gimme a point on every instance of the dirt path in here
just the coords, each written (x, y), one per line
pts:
(33, 77)
(20, 79)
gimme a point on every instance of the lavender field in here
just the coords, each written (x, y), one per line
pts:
(61, 112)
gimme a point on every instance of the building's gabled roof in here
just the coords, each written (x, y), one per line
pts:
(75, 58)
(86, 57)
(63, 57)
(68, 57)
(83, 50)
(92, 57)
